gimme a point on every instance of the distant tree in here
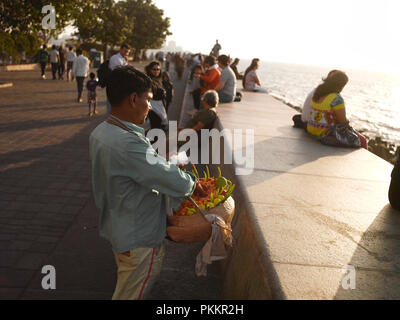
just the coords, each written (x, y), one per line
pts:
(102, 22)
(21, 23)
(25, 16)
(150, 28)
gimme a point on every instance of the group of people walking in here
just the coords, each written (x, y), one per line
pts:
(75, 65)
(61, 61)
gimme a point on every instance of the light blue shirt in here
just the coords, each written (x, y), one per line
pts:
(129, 191)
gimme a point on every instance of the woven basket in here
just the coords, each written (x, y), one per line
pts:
(196, 228)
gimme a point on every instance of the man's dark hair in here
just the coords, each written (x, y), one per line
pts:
(124, 81)
(210, 60)
(53, 46)
(78, 51)
(44, 46)
(92, 75)
(224, 60)
(70, 48)
(125, 46)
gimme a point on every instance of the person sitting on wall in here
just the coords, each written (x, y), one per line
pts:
(235, 70)
(251, 82)
(204, 119)
(209, 80)
(226, 87)
(328, 108)
(300, 121)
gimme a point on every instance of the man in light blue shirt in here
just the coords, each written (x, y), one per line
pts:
(128, 189)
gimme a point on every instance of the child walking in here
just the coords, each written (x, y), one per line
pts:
(91, 86)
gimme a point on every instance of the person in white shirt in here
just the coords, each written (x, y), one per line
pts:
(54, 60)
(118, 59)
(80, 70)
(70, 62)
(121, 58)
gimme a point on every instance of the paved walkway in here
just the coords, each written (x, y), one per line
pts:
(47, 214)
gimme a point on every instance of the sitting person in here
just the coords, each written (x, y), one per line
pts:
(300, 121)
(208, 80)
(212, 75)
(328, 107)
(204, 119)
(251, 82)
(235, 70)
(226, 87)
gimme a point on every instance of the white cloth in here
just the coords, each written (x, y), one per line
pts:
(158, 107)
(81, 66)
(214, 249)
(307, 106)
(71, 56)
(117, 60)
(215, 66)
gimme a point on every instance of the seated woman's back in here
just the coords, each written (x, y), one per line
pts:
(327, 106)
(323, 113)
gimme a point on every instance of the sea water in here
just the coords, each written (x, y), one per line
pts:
(372, 99)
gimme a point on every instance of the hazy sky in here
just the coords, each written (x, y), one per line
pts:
(349, 33)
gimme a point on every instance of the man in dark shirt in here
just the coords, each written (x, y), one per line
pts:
(61, 65)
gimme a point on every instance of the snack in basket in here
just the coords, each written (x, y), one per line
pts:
(218, 191)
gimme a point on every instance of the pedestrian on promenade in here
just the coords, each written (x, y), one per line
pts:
(129, 189)
(70, 62)
(91, 86)
(42, 57)
(226, 87)
(251, 82)
(157, 118)
(54, 60)
(118, 59)
(80, 70)
(61, 66)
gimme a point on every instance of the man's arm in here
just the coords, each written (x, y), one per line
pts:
(147, 168)
(220, 86)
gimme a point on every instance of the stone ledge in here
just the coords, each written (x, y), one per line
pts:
(300, 219)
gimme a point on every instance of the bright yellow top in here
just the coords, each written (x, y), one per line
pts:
(323, 114)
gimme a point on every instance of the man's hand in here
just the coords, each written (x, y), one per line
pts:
(199, 191)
